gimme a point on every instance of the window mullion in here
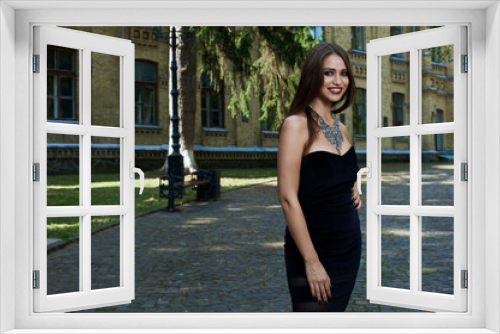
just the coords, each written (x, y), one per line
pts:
(85, 167)
(85, 228)
(415, 248)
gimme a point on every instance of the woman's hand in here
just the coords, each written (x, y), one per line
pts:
(356, 197)
(319, 281)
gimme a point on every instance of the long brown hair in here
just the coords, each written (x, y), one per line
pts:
(311, 81)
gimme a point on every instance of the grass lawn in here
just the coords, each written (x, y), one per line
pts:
(63, 190)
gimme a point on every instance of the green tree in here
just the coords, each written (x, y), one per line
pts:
(247, 58)
(273, 55)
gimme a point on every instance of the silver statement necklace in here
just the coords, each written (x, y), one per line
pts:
(332, 133)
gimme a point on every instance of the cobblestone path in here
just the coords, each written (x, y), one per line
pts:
(227, 256)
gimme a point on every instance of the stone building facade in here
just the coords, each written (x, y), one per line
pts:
(222, 140)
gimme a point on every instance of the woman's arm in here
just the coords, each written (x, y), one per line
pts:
(293, 136)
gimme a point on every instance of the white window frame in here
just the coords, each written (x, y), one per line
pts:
(414, 296)
(123, 50)
(483, 21)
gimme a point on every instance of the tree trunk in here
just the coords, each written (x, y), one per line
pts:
(186, 85)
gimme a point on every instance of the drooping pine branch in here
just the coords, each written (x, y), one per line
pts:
(281, 52)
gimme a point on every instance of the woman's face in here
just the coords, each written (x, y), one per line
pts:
(335, 79)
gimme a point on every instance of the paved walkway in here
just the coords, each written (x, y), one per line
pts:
(227, 256)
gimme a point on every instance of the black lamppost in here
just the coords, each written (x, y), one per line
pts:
(175, 173)
(175, 159)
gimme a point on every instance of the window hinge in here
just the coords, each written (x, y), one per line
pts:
(465, 63)
(36, 279)
(465, 171)
(36, 172)
(36, 63)
(465, 279)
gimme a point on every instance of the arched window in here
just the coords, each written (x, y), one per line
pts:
(439, 137)
(358, 38)
(436, 55)
(398, 100)
(212, 103)
(146, 92)
(267, 121)
(359, 111)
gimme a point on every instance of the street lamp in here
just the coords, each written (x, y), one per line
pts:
(175, 173)
(175, 159)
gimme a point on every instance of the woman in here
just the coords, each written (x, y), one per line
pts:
(317, 185)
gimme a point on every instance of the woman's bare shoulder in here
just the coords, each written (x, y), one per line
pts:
(295, 122)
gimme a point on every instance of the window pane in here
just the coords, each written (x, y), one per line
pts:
(105, 90)
(205, 108)
(396, 30)
(149, 103)
(205, 80)
(148, 115)
(67, 87)
(215, 118)
(63, 267)
(216, 109)
(395, 91)
(145, 71)
(395, 251)
(360, 111)
(138, 105)
(51, 108)
(105, 178)
(437, 254)
(63, 170)
(149, 96)
(395, 171)
(437, 84)
(145, 103)
(51, 85)
(398, 109)
(105, 258)
(437, 170)
(67, 109)
(358, 38)
(62, 87)
(65, 59)
(204, 118)
(51, 58)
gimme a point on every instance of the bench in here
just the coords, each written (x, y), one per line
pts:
(205, 181)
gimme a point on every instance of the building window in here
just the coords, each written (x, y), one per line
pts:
(439, 137)
(146, 88)
(358, 38)
(316, 33)
(61, 84)
(359, 114)
(436, 55)
(397, 30)
(398, 112)
(267, 123)
(212, 103)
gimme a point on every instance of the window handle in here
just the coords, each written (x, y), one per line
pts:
(368, 171)
(138, 171)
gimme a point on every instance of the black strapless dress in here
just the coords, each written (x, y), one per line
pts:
(325, 195)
